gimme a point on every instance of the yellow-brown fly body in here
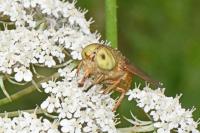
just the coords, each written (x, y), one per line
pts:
(108, 66)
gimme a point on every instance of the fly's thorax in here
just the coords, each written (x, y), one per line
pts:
(112, 74)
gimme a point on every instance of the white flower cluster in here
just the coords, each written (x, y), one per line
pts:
(79, 110)
(27, 123)
(72, 40)
(24, 12)
(167, 113)
(43, 31)
(20, 47)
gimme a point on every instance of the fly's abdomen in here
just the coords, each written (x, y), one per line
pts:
(126, 81)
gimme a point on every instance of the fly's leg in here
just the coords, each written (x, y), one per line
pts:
(86, 75)
(79, 67)
(99, 79)
(113, 86)
(123, 92)
(127, 78)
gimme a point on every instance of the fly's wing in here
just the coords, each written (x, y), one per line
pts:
(136, 71)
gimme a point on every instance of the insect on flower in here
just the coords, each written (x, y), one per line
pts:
(108, 66)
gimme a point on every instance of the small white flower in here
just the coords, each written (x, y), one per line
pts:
(48, 86)
(51, 103)
(19, 76)
(23, 74)
(28, 76)
(70, 126)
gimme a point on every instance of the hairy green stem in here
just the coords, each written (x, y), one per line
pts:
(27, 90)
(111, 21)
(16, 113)
(31, 111)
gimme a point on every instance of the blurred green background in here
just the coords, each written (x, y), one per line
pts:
(161, 37)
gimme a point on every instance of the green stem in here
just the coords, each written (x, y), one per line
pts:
(31, 111)
(27, 90)
(111, 22)
(16, 113)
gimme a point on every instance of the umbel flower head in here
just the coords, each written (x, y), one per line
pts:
(27, 123)
(79, 109)
(166, 112)
(43, 32)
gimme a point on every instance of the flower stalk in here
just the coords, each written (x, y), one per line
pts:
(135, 129)
(31, 111)
(111, 22)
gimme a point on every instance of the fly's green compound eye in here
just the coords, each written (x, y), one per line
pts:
(105, 59)
(88, 50)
